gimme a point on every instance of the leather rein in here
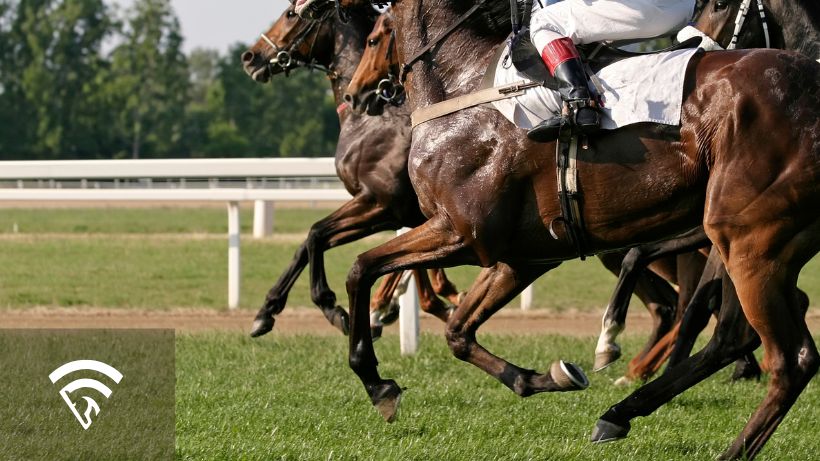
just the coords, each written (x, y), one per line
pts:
(285, 57)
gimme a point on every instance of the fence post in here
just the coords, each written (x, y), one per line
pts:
(233, 255)
(526, 298)
(262, 219)
(409, 316)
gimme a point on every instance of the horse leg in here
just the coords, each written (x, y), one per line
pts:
(770, 300)
(444, 287)
(636, 260)
(382, 303)
(495, 287)
(428, 300)
(723, 348)
(356, 219)
(696, 315)
(433, 244)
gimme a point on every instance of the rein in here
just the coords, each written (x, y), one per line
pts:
(408, 67)
(285, 59)
(740, 19)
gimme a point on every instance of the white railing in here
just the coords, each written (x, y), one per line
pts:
(22, 173)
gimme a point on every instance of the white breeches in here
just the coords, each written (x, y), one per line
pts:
(586, 21)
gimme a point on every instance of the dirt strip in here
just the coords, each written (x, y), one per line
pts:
(310, 321)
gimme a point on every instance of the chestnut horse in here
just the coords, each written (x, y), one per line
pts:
(783, 27)
(373, 76)
(371, 160)
(744, 162)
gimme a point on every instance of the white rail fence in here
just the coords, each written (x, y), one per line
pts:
(101, 180)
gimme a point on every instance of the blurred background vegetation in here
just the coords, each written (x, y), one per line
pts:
(80, 79)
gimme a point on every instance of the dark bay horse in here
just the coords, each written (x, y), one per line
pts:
(744, 163)
(380, 62)
(371, 160)
(785, 25)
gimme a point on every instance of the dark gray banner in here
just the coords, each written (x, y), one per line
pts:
(87, 394)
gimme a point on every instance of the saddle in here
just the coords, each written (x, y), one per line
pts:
(527, 60)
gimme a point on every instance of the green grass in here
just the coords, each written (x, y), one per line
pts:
(116, 258)
(295, 398)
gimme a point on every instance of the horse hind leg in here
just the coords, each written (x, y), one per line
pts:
(768, 293)
(444, 287)
(495, 287)
(384, 305)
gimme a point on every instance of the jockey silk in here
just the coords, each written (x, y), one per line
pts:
(586, 21)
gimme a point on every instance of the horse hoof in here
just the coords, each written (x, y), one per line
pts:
(376, 332)
(605, 359)
(606, 431)
(386, 399)
(624, 381)
(568, 376)
(339, 319)
(261, 326)
(390, 316)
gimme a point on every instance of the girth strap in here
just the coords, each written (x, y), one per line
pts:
(569, 193)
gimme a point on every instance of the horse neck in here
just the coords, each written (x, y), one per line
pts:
(348, 50)
(798, 21)
(455, 66)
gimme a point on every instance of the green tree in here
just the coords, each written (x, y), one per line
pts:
(149, 78)
(291, 116)
(50, 61)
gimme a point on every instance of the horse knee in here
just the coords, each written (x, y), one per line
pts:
(457, 341)
(355, 276)
(808, 360)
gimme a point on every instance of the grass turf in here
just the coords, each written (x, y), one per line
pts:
(115, 258)
(295, 398)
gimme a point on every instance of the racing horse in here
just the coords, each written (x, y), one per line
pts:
(728, 24)
(488, 194)
(371, 160)
(376, 74)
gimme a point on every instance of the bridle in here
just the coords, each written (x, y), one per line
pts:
(285, 58)
(391, 89)
(740, 19)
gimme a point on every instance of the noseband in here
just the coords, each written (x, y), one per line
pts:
(285, 59)
(391, 89)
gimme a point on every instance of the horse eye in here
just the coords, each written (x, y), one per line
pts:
(373, 42)
(721, 5)
(291, 14)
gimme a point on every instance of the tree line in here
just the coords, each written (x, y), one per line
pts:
(82, 79)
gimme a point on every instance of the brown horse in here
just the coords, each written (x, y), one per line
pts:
(489, 196)
(380, 62)
(785, 27)
(371, 160)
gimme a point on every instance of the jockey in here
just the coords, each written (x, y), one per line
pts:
(557, 27)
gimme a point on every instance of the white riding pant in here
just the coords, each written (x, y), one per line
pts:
(587, 21)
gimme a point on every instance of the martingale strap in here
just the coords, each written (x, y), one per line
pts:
(434, 111)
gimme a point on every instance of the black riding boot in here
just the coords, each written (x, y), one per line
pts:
(578, 101)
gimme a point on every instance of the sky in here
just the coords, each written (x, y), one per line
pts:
(218, 24)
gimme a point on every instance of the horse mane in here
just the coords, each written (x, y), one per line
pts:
(805, 14)
(492, 18)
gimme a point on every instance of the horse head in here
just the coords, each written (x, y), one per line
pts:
(290, 42)
(378, 71)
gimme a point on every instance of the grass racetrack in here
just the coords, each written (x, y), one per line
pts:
(292, 396)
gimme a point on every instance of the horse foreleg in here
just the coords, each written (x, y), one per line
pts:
(444, 287)
(356, 219)
(384, 306)
(428, 300)
(433, 244)
(495, 287)
(721, 350)
(632, 266)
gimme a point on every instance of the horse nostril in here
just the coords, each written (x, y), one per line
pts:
(348, 98)
(247, 57)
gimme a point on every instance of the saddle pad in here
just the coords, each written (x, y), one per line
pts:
(640, 89)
